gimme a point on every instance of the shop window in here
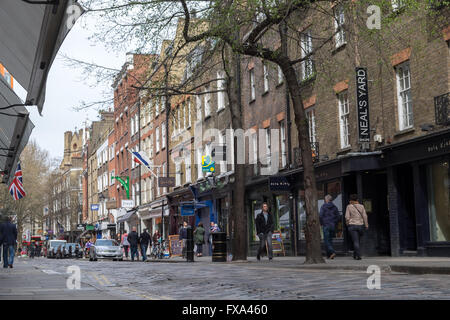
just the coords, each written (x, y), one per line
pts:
(438, 188)
(282, 216)
(332, 188)
(256, 209)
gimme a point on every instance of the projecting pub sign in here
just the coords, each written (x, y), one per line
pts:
(362, 100)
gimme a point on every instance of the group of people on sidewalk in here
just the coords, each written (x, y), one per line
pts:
(199, 237)
(355, 218)
(133, 241)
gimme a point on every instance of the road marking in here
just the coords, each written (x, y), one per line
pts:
(105, 279)
(98, 279)
(50, 272)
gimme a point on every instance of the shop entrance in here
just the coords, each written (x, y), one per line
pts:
(373, 191)
(406, 208)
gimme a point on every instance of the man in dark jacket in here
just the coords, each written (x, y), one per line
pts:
(133, 239)
(145, 241)
(8, 232)
(264, 229)
(329, 217)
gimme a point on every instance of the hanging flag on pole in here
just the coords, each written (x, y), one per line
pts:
(141, 158)
(16, 187)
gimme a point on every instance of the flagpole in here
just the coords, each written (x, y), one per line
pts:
(149, 165)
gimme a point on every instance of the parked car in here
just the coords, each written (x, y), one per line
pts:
(70, 250)
(52, 247)
(105, 248)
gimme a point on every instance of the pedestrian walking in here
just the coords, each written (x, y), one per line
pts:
(356, 220)
(264, 229)
(8, 232)
(145, 240)
(183, 237)
(133, 239)
(329, 217)
(125, 243)
(199, 238)
(32, 250)
(156, 237)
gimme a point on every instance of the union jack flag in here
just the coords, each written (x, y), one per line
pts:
(16, 188)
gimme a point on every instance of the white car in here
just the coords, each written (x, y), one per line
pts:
(105, 248)
(52, 247)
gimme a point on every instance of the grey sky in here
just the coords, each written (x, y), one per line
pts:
(66, 89)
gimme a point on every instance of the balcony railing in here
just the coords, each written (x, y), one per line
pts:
(441, 108)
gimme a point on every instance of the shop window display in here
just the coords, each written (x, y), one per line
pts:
(282, 221)
(438, 187)
(334, 189)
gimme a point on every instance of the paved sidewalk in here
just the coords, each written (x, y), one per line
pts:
(26, 282)
(411, 265)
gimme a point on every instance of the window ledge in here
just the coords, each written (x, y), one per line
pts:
(220, 110)
(207, 117)
(265, 93)
(279, 84)
(306, 81)
(404, 131)
(344, 150)
(251, 101)
(337, 49)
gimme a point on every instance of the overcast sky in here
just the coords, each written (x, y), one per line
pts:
(66, 89)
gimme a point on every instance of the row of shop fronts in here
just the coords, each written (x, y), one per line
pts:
(405, 188)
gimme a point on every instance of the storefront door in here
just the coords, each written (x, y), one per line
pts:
(407, 214)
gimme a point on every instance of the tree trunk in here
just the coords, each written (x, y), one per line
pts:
(238, 216)
(312, 232)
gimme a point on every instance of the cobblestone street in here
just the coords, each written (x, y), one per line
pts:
(206, 281)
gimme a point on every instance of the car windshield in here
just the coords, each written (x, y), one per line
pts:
(71, 245)
(105, 243)
(55, 244)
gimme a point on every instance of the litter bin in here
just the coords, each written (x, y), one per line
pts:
(219, 247)
(190, 245)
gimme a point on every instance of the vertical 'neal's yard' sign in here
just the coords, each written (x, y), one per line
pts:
(362, 99)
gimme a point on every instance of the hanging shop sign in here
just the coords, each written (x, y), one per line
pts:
(166, 182)
(127, 203)
(279, 183)
(362, 101)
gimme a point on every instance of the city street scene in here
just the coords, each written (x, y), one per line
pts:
(197, 151)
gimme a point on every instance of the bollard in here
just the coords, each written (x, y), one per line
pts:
(219, 247)
(190, 245)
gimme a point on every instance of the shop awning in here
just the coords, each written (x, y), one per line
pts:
(127, 216)
(31, 33)
(15, 130)
(30, 37)
(153, 213)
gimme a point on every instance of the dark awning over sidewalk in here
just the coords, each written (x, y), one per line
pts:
(31, 34)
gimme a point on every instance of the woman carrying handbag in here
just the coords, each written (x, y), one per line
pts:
(356, 220)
